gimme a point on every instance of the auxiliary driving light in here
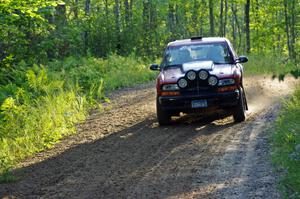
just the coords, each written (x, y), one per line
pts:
(203, 74)
(191, 75)
(213, 80)
(182, 83)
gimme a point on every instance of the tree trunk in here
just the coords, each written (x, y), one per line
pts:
(202, 17)
(87, 7)
(108, 42)
(247, 25)
(60, 15)
(256, 27)
(293, 31)
(233, 25)
(154, 38)
(238, 26)
(86, 34)
(146, 27)
(221, 19)
(180, 30)
(225, 18)
(127, 12)
(211, 18)
(195, 18)
(76, 9)
(171, 20)
(130, 8)
(287, 28)
(117, 25)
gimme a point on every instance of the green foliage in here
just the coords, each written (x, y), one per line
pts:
(96, 76)
(37, 31)
(36, 116)
(23, 26)
(271, 64)
(284, 151)
(46, 103)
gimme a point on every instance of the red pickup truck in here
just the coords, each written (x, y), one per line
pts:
(200, 75)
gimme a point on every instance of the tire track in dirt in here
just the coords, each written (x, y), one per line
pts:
(242, 171)
(123, 153)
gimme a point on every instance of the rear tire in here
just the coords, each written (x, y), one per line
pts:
(163, 117)
(239, 114)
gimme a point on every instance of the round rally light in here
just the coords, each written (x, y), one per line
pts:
(182, 83)
(191, 75)
(203, 74)
(212, 80)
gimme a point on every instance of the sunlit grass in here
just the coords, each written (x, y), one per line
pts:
(286, 146)
(48, 102)
(274, 65)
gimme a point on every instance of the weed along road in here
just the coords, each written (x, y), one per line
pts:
(123, 153)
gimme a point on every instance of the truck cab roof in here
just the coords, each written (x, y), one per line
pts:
(197, 40)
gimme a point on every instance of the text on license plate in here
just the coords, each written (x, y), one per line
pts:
(199, 104)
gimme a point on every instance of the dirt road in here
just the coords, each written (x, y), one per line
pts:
(125, 154)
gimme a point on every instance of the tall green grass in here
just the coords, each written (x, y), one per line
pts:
(45, 103)
(269, 64)
(286, 146)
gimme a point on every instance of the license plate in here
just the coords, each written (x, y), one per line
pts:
(199, 104)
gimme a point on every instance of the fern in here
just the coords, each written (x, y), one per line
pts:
(47, 102)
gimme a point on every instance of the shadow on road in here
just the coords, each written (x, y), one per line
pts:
(113, 166)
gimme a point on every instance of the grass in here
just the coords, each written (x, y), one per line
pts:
(269, 64)
(45, 103)
(286, 146)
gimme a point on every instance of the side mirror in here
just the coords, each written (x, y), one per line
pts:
(242, 59)
(154, 67)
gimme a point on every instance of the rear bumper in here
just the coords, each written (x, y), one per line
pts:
(184, 103)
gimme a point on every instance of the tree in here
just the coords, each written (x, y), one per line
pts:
(211, 18)
(247, 25)
(221, 28)
(75, 9)
(290, 27)
(225, 18)
(86, 33)
(117, 25)
(39, 30)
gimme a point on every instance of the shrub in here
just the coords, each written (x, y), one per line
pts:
(45, 103)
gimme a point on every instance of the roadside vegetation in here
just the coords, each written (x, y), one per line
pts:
(45, 103)
(273, 65)
(286, 146)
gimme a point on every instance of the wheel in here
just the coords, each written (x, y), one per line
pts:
(163, 117)
(239, 113)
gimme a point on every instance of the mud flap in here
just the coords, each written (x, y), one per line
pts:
(245, 98)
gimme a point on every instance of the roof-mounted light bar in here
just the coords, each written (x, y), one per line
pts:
(196, 38)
